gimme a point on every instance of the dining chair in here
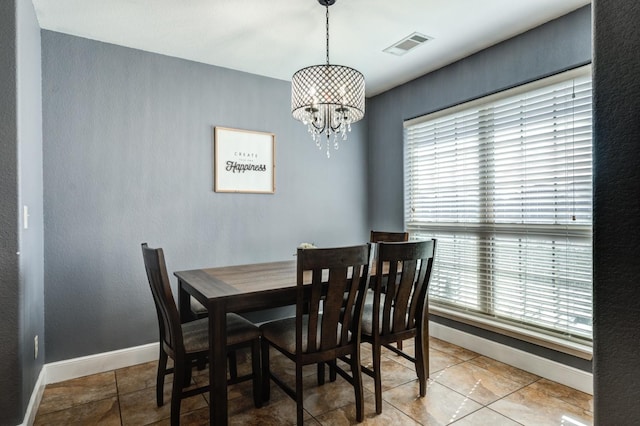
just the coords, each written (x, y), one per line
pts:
(386, 237)
(401, 312)
(321, 331)
(188, 343)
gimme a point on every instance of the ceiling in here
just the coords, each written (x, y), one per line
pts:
(275, 38)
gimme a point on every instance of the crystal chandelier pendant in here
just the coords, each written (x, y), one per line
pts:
(327, 98)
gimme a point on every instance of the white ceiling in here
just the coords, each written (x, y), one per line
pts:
(275, 38)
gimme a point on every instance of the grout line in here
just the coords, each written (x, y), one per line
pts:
(118, 398)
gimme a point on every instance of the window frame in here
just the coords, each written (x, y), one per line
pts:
(578, 347)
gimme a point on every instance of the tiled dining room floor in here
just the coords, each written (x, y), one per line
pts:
(464, 389)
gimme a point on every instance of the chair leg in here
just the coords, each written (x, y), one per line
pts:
(422, 361)
(377, 376)
(257, 373)
(399, 344)
(233, 365)
(266, 373)
(357, 385)
(201, 363)
(299, 396)
(186, 382)
(176, 391)
(162, 368)
(332, 371)
(321, 373)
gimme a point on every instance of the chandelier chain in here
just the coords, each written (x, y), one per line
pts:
(327, 6)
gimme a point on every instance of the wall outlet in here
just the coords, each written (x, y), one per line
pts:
(35, 347)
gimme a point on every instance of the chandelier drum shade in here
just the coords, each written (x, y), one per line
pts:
(327, 98)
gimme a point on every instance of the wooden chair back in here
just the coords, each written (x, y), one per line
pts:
(389, 237)
(405, 298)
(326, 278)
(168, 317)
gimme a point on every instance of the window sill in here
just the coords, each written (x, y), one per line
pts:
(576, 349)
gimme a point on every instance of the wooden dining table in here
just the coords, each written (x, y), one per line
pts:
(240, 288)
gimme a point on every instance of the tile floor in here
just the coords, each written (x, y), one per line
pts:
(464, 389)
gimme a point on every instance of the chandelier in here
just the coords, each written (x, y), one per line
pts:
(327, 98)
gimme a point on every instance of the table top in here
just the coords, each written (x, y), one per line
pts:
(243, 287)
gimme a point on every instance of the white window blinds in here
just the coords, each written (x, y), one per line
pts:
(504, 184)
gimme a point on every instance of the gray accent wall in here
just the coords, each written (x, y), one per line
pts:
(128, 153)
(21, 250)
(616, 66)
(556, 46)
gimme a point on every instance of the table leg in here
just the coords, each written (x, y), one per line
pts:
(184, 304)
(217, 364)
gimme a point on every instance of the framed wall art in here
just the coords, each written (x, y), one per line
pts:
(244, 161)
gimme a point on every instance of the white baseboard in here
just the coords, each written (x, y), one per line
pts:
(36, 397)
(543, 367)
(99, 363)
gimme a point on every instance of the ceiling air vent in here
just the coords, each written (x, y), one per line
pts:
(408, 43)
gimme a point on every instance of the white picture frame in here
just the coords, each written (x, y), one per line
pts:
(244, 161)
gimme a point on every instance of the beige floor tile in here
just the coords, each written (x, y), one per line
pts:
(475, 382)
(195, 418)
(283, 366)
(58, 396)
(331, 395)
(138, 377)
(139, 407)
(440, 406)
(485, 417)
(451, 349)
(104, 412)
(439, 360)
(279, 412)
(393, 374)
(565, 393)
(533, 405)
(239, 390)
(496, 367)
(347, 416)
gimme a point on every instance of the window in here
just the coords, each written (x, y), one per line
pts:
(504, 184)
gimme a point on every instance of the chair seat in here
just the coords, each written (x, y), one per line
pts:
(283, 333)
(197, 307)
(196, 333)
